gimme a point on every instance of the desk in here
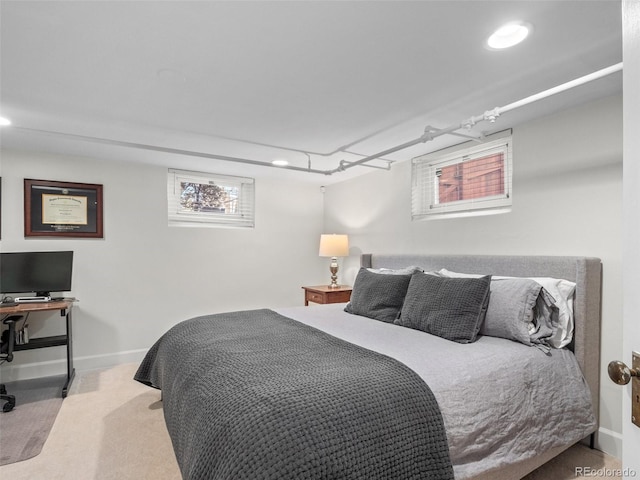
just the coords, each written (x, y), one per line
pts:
(64, 306)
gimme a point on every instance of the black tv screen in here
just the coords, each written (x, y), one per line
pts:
(37, 272)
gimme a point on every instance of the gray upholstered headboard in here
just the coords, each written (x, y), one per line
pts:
(586, 272)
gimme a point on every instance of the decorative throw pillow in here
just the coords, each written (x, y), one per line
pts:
(451, 308)
(378, 296)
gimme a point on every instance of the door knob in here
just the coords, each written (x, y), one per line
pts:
(620, 373)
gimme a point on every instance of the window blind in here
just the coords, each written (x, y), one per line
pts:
(472, 179)
(205, 199)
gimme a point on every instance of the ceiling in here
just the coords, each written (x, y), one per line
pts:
(182, 83)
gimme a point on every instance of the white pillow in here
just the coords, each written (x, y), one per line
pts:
(561, 290)
(396, 271)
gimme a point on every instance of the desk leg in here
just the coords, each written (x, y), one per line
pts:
(70, 370)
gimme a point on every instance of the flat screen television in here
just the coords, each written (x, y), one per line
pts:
(36, 272)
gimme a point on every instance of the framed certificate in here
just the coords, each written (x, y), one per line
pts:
(62, 209)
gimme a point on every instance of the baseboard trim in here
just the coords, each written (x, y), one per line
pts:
(609, 442)
(16, 371)
(104, 361)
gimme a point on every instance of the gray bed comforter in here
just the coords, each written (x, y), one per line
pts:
(256, 395)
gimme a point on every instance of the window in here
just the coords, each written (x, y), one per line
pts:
(471, 181)
(206, 199)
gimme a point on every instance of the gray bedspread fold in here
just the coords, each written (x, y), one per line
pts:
(256, 395)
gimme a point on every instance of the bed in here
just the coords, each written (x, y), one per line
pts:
(365, 391)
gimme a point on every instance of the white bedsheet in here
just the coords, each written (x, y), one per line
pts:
(501, 401)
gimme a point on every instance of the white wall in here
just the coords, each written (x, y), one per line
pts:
(144, 276)
(567, 187)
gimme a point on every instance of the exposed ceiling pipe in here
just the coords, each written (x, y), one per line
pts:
(344, 165)
(490, 116)
(388, 167)
(429, 133)
(173, 151)
(565, 86)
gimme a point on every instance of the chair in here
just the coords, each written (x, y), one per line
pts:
(6, 354)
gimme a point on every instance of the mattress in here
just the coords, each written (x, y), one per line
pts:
(502, 402)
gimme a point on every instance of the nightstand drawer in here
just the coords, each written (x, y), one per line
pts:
(316, 297)
(324, 294)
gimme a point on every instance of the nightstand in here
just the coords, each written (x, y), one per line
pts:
(326, 294)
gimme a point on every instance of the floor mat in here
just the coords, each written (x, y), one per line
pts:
(24, 430)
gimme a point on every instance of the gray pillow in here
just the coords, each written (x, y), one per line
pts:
(553, 310)
(521, 310)
(511, 311)
(451, 308)
(378, 296)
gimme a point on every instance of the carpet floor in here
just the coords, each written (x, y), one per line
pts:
(111, 427)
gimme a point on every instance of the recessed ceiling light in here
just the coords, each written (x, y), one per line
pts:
(508, 35)
(280, 163)
(4, 122)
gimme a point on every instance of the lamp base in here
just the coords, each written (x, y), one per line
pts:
(333, 268)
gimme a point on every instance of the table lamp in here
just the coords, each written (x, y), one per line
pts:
(334, 246)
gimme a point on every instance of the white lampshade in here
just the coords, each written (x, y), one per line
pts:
(332, 245)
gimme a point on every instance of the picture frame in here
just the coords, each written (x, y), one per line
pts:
(62, 209)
